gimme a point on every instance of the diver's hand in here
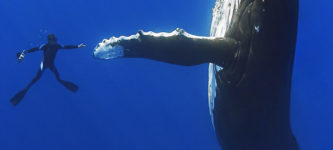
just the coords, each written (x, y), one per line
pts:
(81, 45)
(20, 56)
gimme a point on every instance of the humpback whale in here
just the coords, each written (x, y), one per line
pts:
(250, 104)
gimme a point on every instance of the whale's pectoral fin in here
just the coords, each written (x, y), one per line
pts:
(177, 47)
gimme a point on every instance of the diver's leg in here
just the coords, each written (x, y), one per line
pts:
(20, 95)
(35, 79)
(177, 47)
(56, 73)
(69, 85)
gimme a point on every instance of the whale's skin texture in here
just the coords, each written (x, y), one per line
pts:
(252, 93)
(251, 106)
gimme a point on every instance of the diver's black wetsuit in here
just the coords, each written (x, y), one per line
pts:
(50, 50)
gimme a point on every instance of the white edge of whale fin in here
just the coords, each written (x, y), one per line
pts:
(221, 21)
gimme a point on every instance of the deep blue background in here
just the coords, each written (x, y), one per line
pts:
(135, 103)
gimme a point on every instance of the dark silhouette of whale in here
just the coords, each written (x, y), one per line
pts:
(251, 106)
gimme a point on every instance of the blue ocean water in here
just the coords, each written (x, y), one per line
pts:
(136, 103)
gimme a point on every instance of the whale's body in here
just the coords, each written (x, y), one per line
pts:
(251, 105)
(250, 96)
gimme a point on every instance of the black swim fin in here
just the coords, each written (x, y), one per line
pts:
(70, 86)
(18, 97)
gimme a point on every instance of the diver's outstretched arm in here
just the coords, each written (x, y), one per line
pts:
(33, 50)
(21, 55)
(177, 47)
(73, 46)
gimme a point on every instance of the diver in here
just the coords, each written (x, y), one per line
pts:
(50, 50)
